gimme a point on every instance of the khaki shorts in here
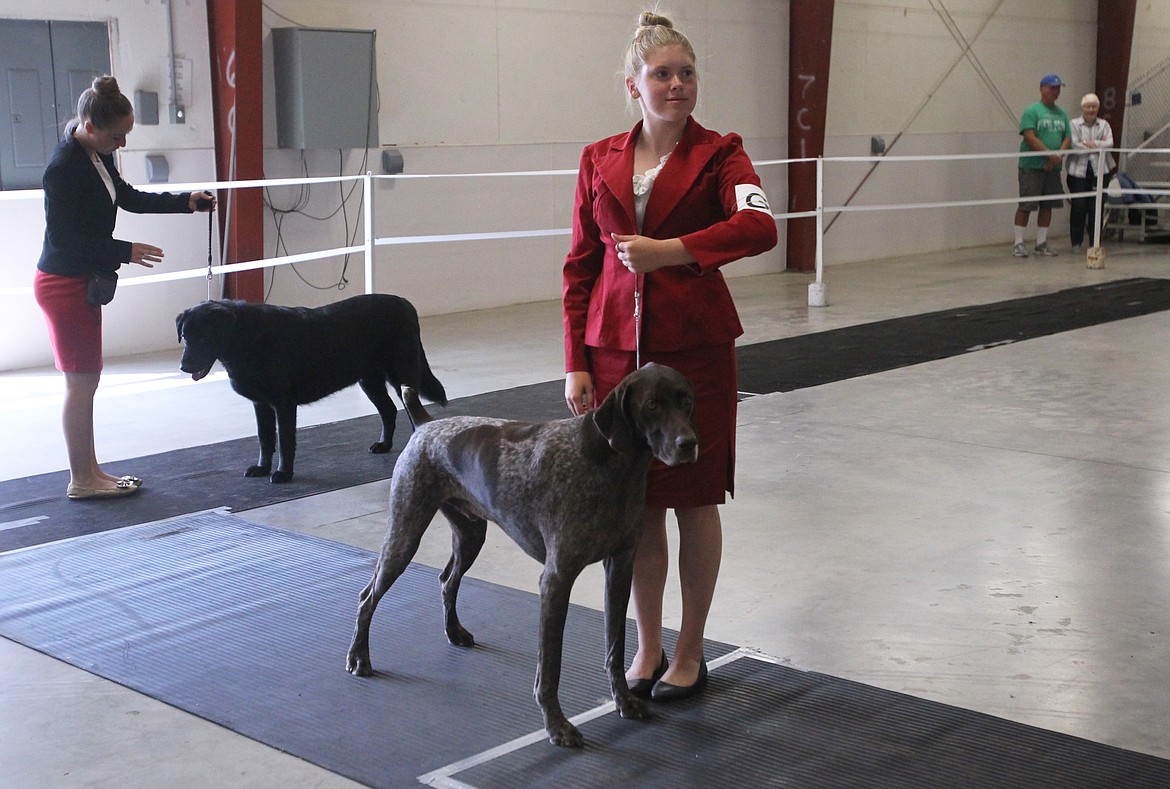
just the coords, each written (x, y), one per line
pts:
(1039, 183)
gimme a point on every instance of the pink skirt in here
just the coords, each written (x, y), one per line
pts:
(75, 325)
(712, 371)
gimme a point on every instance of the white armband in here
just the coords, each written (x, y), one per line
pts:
(751, 197)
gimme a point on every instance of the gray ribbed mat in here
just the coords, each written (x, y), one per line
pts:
(248, 626)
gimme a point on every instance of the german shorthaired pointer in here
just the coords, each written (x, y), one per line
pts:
(570, 492)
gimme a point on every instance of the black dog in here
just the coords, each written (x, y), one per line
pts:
(282, 357)
(569, 492)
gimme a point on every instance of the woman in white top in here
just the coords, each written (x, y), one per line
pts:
(1089, 135)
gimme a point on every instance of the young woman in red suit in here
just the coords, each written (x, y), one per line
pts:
(83, 192)
(659, 210)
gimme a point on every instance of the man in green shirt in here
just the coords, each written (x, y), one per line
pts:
(1043, 127)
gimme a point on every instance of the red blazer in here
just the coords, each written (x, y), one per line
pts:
(695, 199)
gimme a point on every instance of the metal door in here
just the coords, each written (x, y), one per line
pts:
(44, 66)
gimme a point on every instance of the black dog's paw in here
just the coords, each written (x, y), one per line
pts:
(257, 471)
(380, 447)
(632, 708)
(564, 734)
(280, 476)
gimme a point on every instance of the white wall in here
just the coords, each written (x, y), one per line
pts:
(510, 85)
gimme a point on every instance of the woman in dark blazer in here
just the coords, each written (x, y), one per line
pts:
(83, 192)
(658, 211)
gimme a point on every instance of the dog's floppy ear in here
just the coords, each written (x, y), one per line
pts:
(615, 422)
(207, 318)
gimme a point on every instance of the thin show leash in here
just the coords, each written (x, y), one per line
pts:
(209, 275)
(639, 286)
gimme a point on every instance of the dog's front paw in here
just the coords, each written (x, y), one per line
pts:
(359, 665)
(380, 447)
(257, 471)
(631, 707)
(564, 734)
(281, 476)
(460, 636)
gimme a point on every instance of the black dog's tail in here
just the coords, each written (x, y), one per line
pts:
(430, 386)
(427, 385)
(414, 407)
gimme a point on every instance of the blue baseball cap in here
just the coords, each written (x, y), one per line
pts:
(1051, 80)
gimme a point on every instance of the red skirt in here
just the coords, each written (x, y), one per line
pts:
(75, 325)
(712, 371)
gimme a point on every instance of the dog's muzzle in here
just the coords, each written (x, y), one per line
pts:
(197, 373)
(684, 449)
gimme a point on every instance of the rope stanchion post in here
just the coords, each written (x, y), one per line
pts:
(1095, 255)
(817, 296)
(368, 187)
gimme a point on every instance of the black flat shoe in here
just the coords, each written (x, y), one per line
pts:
(642, 687)
(664, 691)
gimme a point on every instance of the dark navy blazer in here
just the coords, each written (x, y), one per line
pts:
(79, 215)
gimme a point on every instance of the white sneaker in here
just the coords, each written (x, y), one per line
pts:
(1043, 250)
(1019, 251)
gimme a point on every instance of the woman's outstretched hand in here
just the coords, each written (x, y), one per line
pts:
(145, 254)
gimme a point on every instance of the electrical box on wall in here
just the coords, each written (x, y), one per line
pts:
(326, 88)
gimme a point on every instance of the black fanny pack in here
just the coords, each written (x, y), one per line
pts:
(101, 287)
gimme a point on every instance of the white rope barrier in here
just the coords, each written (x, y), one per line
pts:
(372, 240)
(399, 240)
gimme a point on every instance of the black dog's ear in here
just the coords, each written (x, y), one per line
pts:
(179, 324)
(614, 421)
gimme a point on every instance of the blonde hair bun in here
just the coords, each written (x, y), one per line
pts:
(651, 19)
(653, 31)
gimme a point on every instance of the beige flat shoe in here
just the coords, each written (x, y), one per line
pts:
(124, 488)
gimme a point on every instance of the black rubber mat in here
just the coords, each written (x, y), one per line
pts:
(333, 456)
(248, 626)
(329, 457)
(763, 724)
(814, 359)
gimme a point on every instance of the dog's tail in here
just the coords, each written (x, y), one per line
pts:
(429, 386)
(414, 407)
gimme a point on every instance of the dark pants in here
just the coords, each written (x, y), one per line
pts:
(1082, 210)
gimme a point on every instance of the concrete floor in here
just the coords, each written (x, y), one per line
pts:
(991, 531)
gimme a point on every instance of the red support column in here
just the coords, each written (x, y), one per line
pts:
(237, 87)
(810, 37)
(1114, 47)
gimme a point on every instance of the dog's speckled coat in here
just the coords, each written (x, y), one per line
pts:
(569, 492)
